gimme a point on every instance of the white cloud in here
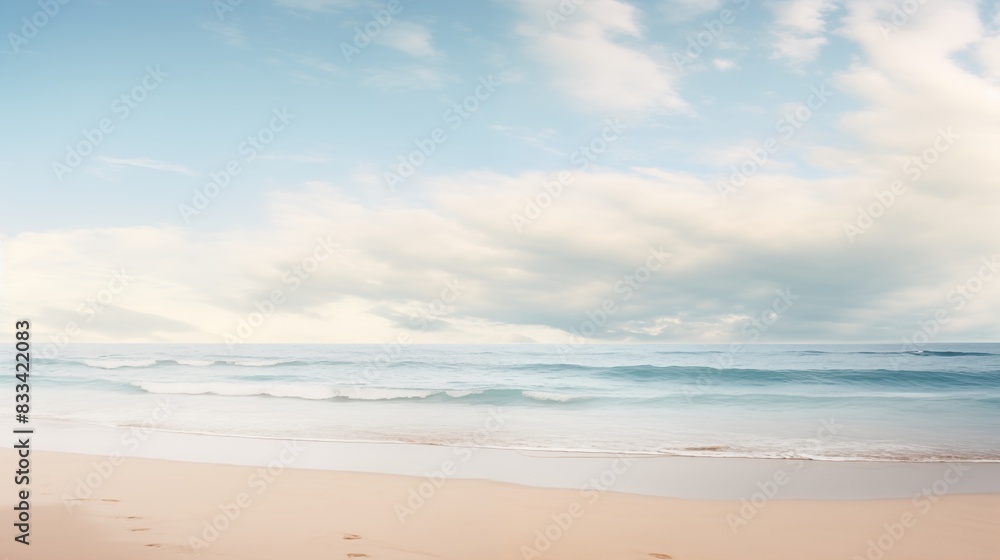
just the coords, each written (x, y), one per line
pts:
(588, 62)
(724, 64)
(319, 64)
(541, 139)
(146, 163)
(320, 6)
(409, 37)
(310, 157)
(683, 10)
(405, 77)
(800, 27)
(230, 33)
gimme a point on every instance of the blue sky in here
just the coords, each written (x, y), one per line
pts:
(222, 70)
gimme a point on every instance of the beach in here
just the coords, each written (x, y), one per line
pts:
(287, 499)
(509, 452)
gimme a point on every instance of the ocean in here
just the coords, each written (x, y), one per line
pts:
(830, 402)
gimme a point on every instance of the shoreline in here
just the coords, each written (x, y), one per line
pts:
(695, 453)
(686, 477)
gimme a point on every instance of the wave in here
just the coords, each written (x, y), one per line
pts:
(819, 378)
(118, 363)
(640, 377)
(949, 353)
(547, 396)
(943, 353)
(335, 392)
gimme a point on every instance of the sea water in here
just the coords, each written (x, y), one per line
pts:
(834, 402)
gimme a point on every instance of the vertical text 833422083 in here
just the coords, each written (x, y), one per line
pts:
(22, 435)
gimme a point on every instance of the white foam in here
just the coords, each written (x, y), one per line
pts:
(114, 363)
(199, 363)
(260, 362)
(301, 391)
(543, 396)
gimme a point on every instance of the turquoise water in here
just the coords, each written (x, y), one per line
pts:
(834, 402)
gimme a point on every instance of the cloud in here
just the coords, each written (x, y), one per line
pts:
(587, 61)
(540, 139)
(318, 6)
(408, 37)
(684, 10)
(119, 322)
(319, 64)
(724, 64)
(799, 29)
(310, 157)
(405, 78)
(145, 163)
(230, 33)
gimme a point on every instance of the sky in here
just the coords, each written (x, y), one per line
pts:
(575, 171)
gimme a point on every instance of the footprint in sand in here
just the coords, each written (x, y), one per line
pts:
(356, 555)
(140, 529)
(154, 545)
(661, 556)
(351, 537)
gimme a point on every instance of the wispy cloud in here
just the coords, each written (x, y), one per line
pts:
(405, 77)
(319, 64)
(319, 6)
(724, 64)
(409, 37)
(683, 10)
(310, 157)
(536, 138)
(145, 163)
(230, 33)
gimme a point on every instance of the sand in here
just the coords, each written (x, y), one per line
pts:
(152, 508)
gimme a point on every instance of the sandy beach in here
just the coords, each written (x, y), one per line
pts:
(113, 506)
